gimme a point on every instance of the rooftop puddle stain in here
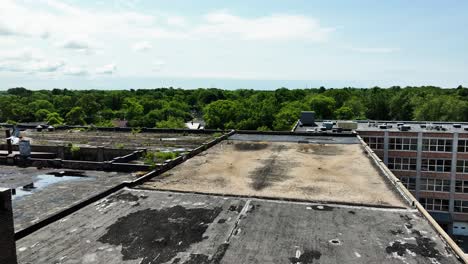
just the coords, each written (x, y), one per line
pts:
(42, 181)
(307, 257)
(157, 236)
(244, 146)
(320, 149)
(424, 246)
(273, 169)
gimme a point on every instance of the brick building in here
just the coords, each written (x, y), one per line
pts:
(431, 160)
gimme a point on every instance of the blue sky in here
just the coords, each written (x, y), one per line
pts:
(122, 44)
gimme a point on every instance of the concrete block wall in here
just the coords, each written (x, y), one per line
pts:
(7, 231)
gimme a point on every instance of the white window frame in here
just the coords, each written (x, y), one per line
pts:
(436, 165)
(403, 143)
(463, 145)
(408, 182)
(437, 144)
(460, 206)
(435, 185)
(462, 166)
(374, 142)
(461, 186)
(433, 204)
(404, 164)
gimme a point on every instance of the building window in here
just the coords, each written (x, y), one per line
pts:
(408, 182)
(437, 165)
(438, 145)
(435, 185)
(462, 145)
(461, 186)
(403, 144)
(435, 204)
(402, 164)
(462, 166)
(374, 142)
(460, 206)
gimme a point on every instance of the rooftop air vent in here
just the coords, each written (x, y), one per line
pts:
(423, 125)
(457, 125)
(405, 127)
(465, 128)
(308, 118)
(400, 124)
(383, 126)
(328, 125)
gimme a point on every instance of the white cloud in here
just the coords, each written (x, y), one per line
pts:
(46, 66)
(375, 50)
(142, 46)
(75, 71)
(158, 65)
(32, 67)
(107, 69)
(176, 21)
(273, 27)
(22, 55)
(77, 44)
(7, 31)
(55, 27)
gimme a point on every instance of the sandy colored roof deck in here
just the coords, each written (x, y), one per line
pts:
(330, 172)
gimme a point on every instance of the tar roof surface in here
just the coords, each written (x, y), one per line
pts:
(151, 141)
(340, 173)
(40, 203)
(134, 226)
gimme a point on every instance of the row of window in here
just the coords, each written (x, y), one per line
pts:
(432, 165)
(408, 182)
(436, 165)
(439, 145)
(411, 144)
(462, 166)
(459, 206)
(462, 145)
(435, 204)
(434, 185)
(374, 142)
(403, 144)
(401, 163)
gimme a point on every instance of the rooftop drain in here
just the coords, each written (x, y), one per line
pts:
(335, 242)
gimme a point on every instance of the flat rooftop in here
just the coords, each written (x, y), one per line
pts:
(109, 139)
(52, 193)
(336, 171)
(415, 126)
(248, 199)
(142, 226)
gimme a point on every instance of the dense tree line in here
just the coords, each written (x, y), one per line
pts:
(239, 109)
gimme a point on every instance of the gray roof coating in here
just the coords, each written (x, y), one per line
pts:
(135, 226)
(296, 138)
